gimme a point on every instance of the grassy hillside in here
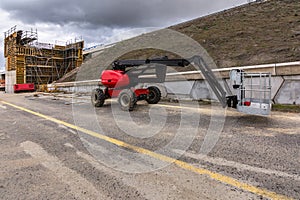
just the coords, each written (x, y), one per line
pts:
(256, 33)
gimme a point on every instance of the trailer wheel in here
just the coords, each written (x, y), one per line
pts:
(127, 100)
(154, 95)
(98, 97)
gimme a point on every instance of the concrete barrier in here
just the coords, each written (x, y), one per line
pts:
(285, 83)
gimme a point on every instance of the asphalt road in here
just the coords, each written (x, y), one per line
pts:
(63, 148)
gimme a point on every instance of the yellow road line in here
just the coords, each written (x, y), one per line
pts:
(216, 176)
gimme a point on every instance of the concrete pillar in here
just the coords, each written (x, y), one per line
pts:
(289, 93)
(182, 89)
(10, 81)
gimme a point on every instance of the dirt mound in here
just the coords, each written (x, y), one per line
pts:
(255, 33)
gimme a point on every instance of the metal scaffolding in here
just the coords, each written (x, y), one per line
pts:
(39, 63)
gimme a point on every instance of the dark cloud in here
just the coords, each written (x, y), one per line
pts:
(112, 13)
(101, 21)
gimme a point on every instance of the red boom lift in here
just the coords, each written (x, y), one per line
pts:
(122, 82)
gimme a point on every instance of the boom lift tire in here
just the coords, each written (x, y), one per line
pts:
(127, 100)
(98, 97)
(154, 95)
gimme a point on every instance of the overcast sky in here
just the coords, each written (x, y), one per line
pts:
(100, 21)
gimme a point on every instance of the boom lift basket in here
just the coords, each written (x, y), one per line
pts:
(253, 92)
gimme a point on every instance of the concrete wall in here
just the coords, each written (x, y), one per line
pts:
(73, 87)
(285, 89)
(285, 83)
(10, 81)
